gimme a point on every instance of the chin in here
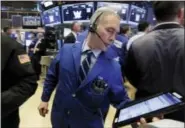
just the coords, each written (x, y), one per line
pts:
(104, 49)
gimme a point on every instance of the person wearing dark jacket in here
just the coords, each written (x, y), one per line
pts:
(18, 81)
(155, 61)
(71, 38)
(39, 50)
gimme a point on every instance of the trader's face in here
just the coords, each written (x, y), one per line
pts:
(9, 31)
(107, 28)
(77, 27)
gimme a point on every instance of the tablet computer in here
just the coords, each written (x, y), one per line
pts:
(149, 107)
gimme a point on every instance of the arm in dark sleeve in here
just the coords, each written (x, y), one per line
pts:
(51, 79)
(42, 47)
(130, 68)
(118, 95)
(23, 80)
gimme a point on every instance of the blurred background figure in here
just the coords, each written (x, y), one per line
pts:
(7, 31)
(143, 28)
(34, 39)
(18, 37)
(75, 29)
(39, 50)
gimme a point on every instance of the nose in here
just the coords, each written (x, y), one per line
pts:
(112, 38)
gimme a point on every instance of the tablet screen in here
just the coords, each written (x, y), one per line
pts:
(148, 106)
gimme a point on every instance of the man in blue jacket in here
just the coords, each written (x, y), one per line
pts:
(113, 51)
(86, 76)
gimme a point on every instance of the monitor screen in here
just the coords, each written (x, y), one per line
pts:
(136, 15)
(148, 106)
(80, 12)
(47, 3)
(121, 9)
(31, 21)
(51, 17)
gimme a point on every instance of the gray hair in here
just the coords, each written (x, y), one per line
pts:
(105, 10)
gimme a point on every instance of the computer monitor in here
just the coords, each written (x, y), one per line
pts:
(121, 8)
(136, 15)
(80, 12)
(51, 17)
(31, 21)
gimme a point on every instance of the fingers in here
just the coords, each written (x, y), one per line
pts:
(43, 111)
(141, 122)
(155, 119)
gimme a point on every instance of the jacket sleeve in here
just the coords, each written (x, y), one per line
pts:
(117, 94)
(24, 82)
(51, 79)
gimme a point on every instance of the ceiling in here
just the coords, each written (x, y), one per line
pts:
(19, 4)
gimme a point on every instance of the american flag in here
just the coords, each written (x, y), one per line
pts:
(24, 58)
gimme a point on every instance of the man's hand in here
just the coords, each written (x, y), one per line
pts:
(43, 108)
(144, 122)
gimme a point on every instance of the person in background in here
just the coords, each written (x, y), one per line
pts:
(7, 30)
(83, 28)
(71, 38)
(38, 51)
(32, 45)
(124, 33)
(155, 62)
(18, 37)
(123, 36)
(18, 81)
(143, 28)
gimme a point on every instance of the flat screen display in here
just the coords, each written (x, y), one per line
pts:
(51, 17)
(136, 15)
(121, 9)
(80, 12)
(31, 21)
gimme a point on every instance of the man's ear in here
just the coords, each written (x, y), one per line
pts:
(181, 15)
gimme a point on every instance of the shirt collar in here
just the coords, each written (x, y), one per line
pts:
(166, 23)
(85, 47)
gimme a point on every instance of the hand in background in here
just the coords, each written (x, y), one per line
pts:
(43, 108)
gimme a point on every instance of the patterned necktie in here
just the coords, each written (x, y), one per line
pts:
(85, 66)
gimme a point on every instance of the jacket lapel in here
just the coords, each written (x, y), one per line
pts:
(95, 71)
(76, 50)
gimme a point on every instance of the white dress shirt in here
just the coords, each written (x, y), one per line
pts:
(96, 53)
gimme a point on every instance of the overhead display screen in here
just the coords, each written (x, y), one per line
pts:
(121, 9)
(51, 17)
(31, 21)
(136, 15)
(80, 12)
